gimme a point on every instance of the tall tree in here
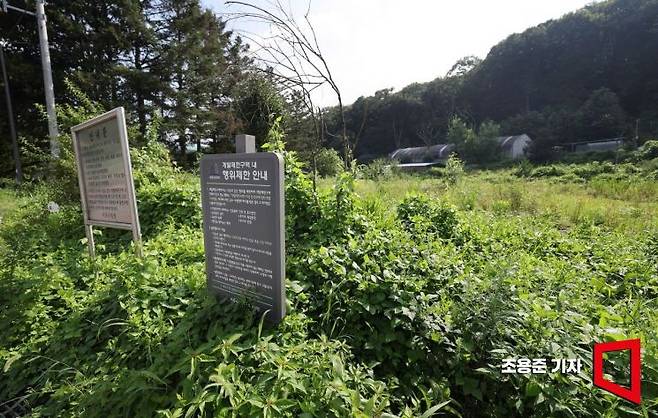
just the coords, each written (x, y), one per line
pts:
(141, 63)
(145, 55)
(259, 104)
(203, 64)
(602, 115)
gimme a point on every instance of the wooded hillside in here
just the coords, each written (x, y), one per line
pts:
(588, 75)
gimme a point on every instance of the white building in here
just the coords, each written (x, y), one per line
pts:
(514, 147)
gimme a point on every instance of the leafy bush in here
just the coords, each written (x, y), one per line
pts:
(421, 213)
(548, 171)
(648, 151)
(378, 169)
(164, 194)
(173, 199)
(524, 169)
(329, 163)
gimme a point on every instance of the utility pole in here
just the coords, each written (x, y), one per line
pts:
(47, 79)
(47, 71)
(10, 113)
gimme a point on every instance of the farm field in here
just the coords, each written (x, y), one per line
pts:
(626, 204)
(405, 295)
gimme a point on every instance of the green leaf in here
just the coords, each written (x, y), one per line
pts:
(532, 389)
(433, 410)
(9, 362)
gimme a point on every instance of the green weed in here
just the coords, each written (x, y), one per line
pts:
(400, 304)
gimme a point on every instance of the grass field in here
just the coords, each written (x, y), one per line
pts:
(8, 201)
(626, 205)
(405, 295)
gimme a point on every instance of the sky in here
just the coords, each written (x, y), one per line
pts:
(376, 44)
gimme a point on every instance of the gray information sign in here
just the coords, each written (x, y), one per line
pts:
(243, 217)
(105, 175)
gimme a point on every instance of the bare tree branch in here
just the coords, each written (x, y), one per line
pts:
(292, 54)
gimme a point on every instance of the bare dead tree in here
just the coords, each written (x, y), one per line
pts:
(290, 52)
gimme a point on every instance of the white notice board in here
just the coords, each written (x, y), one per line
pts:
(105, 175)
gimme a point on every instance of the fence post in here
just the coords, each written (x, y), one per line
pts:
(245, 144)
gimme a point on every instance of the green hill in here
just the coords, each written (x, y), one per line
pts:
(587, 75)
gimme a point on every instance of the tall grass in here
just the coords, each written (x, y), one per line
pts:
(625, 204)
(8, 202)
(398, 305)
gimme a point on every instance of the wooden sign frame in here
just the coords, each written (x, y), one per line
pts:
(117, 114)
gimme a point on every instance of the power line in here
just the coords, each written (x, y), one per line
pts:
(47, 71)
(13, 28)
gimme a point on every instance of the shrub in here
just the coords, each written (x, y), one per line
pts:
(378, 169)
(421, 213)
(329, 163)
(548, 171)
(173, 199)
(454, 169)
(165, 195)
(524, 169)
(648, 151)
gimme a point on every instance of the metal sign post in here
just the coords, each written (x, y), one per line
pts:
(40, 14)
(242, 195)
(107, 190)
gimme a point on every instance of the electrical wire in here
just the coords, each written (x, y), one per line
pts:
(13, 28)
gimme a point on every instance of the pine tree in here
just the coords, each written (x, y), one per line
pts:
(203, 65)
(141, 63)
(146, 55)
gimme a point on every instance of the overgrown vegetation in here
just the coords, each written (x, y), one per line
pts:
(399, 305)
(7, 202)
(405, 292)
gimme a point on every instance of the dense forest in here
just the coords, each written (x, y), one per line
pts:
(589, 75)
(170, 60)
